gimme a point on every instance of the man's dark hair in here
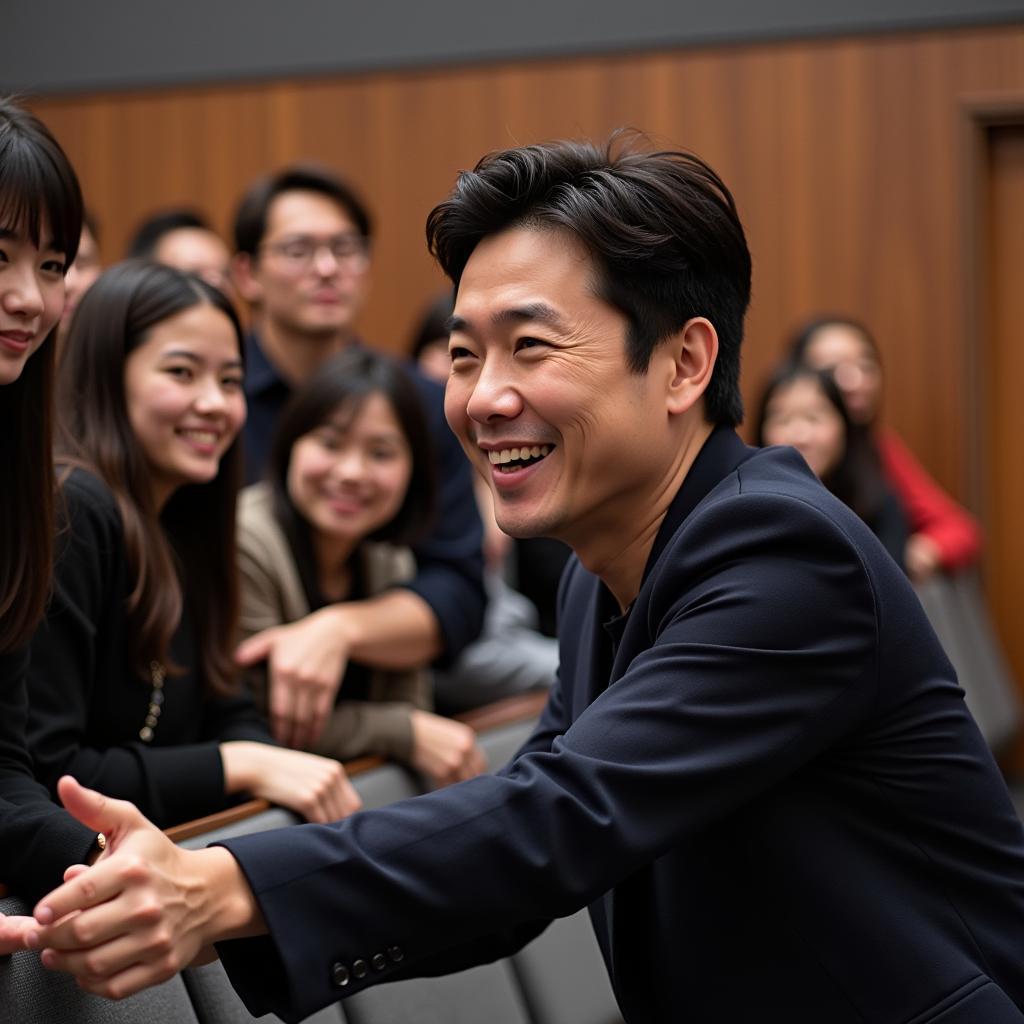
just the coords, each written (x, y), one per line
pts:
(662, 229)
(152, 230)
(251, 218)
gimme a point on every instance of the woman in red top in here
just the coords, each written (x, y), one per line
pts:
(942, 534)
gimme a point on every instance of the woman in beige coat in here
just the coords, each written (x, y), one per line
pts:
(349, 487)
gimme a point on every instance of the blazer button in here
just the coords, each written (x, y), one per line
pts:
(360, 969)
(379, 961)
(396, 954)
(339, 975)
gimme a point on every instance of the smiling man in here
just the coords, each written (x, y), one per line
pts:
(756, 769)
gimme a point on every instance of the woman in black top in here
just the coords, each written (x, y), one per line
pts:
(40, 223)
(804, 408)
(132, 679)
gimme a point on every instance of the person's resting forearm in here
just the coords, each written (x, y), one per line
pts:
(394, 630)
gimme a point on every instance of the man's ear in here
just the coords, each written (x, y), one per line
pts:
(690, 355)
(244, 278)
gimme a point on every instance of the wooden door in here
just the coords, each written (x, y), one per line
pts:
(1001, 394)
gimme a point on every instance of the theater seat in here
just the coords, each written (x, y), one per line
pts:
(30, 994)
(563, 978)
(215, 1001)
(956, 609)
(481, 995)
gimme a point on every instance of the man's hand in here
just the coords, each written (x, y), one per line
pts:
(305, 664)
(144, 911)
(445, 750)
(313, 786)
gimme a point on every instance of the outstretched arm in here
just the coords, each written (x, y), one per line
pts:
(145, 911)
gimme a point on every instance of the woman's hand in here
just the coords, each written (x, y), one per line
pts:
(444, 750)
(14, 932)
(313, 786)
(145, 910)
(922, 557)
(305, 664)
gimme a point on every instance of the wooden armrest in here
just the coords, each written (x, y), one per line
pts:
(491, 716)
(239, 812)
(520, 708)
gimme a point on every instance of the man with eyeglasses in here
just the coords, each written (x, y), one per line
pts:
(302, 263)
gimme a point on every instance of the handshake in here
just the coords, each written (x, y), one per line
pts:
(144, 910)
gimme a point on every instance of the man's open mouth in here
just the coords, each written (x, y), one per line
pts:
(509, 459)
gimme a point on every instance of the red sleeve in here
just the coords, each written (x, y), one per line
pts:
(929, 509)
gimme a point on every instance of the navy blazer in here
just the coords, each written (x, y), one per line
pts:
(763, 781)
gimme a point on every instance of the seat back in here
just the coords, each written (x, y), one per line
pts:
(563, 977)
(30, 994)
(956, 609)
(482, 994)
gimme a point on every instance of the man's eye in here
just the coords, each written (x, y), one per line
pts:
(529, 343)
(458, 352)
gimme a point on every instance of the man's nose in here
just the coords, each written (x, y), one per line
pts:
(494, 396)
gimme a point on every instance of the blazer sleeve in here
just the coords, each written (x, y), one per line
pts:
(762, 654)
(169, 784)
(38, 839)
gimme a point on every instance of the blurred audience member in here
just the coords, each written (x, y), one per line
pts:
(183, 238)
(512, 656)
(351, 484)
(303, 263)
(803, 407)
(131, 680)
(942, 534)
(80, 276)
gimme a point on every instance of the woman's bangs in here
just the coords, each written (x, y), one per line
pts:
(38, 192)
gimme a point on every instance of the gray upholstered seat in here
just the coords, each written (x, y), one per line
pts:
(956, 609)
(215, 1001)
(563, 978)
(30, 994)
(481, 995)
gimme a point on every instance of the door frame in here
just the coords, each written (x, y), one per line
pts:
(978, 115)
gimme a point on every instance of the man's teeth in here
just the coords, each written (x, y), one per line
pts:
(537, 451)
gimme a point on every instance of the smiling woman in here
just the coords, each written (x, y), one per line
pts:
(40, 222)
(132, 674)
(350, 485)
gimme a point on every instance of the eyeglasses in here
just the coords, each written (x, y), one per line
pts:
(297, 253)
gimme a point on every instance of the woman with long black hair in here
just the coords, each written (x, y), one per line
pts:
(40, 223)
(132, 676)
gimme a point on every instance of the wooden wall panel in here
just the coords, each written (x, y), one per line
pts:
(844, 155)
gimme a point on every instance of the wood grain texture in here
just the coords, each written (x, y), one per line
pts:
(844, 155)
(1002, 373)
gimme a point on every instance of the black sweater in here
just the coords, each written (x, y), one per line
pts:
(87, 703)
(38, 839)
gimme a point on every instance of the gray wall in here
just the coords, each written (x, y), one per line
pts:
(49, 46)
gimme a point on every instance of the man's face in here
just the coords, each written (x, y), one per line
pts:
(311, 274)
(541, 398)
(197, 251)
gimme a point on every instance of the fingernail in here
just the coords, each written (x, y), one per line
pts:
(32, 940)
(44, 915)
(48, 958)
